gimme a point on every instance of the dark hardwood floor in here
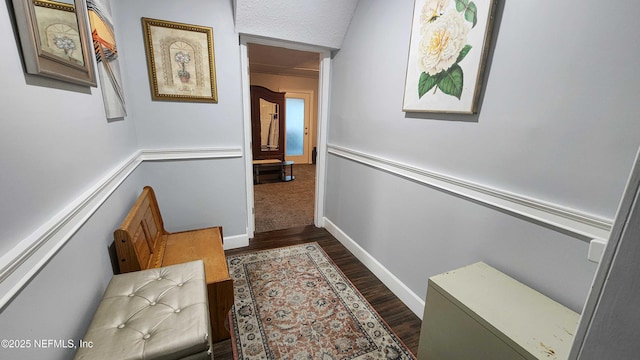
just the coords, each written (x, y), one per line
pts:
(403, 322)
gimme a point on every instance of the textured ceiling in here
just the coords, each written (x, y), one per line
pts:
(318, 22)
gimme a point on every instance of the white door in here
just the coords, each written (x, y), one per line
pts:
(298, 113)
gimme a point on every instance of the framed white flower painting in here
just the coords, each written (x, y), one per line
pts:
(447, 52)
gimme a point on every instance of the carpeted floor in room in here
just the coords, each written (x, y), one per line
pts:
(283, 205)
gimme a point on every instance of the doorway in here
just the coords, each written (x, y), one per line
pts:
(296, 73)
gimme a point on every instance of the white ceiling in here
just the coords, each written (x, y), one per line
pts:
(317, 22)
(277, 60)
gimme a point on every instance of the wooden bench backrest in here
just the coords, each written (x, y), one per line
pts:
(139, 239)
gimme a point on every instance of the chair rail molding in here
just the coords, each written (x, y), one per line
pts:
(548, 214)
(26, 258)
(189, 153)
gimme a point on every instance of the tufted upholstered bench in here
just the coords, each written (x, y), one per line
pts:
(160, 313)
(142, 242)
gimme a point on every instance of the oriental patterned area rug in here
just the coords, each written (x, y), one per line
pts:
(294, 303)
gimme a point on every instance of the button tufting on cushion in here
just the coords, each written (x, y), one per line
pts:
(170, 303)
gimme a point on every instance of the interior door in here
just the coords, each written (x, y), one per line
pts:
(298, 119)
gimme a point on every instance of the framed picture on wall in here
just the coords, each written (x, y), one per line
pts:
(54, 39)
(180, 61)
(447, 53)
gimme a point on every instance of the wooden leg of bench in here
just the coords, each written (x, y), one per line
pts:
(220, 302)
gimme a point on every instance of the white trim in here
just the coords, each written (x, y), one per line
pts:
(552, 215)
(261, 40)
(248, 150)
(237, 241)
(24, 260)
(596, 249)
(322, 128)
(182, 154)
(408, 297)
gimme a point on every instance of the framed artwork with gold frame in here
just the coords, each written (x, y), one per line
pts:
(180, 61)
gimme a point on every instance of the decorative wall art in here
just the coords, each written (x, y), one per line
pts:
(180, 60)
(104, 45)
(448, 48)
(54, 39)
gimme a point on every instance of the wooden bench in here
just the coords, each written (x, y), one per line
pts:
(143, 243)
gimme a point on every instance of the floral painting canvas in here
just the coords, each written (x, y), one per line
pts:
(447, 51)
(58, 30)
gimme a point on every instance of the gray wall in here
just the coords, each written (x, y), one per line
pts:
(166, 124)
(196, 193)
(55, 144)
(556, 123)
(199, 193)
(60, 300)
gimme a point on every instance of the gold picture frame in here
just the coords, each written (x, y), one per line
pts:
(55, 40)
(180, 61)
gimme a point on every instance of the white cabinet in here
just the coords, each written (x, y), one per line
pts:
(477, 312)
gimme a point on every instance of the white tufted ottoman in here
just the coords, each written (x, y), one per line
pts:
(158, 313)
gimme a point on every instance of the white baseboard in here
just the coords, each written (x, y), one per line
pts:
(237, 241)
(408, 297)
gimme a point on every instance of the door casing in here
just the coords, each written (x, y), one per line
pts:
(322, 119)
